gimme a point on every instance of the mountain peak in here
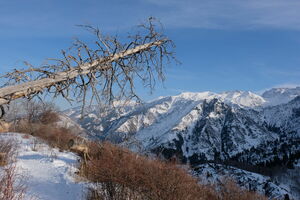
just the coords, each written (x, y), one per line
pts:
(241, 98)
(196, 96)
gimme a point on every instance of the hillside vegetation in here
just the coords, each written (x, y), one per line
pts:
(117, 173)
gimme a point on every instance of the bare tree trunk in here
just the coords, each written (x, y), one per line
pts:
(25, 89)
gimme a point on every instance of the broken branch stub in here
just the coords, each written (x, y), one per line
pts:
(105, 71)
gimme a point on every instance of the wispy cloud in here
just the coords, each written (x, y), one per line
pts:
(231, 14)
(283, 85)
(54, 17)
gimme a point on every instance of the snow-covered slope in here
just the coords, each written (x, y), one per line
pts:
(275, 188)
(47, 173)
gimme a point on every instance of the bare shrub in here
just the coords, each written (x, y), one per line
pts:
(29, 110)
(35, 110)
(33, 118)
(7, 151)
(11, 184)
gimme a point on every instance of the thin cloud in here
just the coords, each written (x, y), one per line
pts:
(284, 85)
(58, 18)
(231, 14)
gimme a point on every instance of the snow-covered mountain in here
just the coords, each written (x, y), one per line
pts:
(277, 96)
(237, 129)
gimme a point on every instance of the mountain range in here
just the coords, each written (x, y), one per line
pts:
(254, 139)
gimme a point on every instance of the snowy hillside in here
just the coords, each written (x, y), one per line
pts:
(47, 173)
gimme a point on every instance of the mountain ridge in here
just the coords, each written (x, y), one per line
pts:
(240, 129)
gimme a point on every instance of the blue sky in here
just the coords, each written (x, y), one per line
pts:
(223, 45)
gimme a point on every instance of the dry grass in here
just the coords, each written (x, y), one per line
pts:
(119, 174)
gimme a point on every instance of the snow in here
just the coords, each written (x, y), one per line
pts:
(49, 173)
(247, 99)
(276, 96)
(240, 98)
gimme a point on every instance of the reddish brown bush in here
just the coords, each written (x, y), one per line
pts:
(120, 174)
(22, 126)
(49, 117)
(229, 190)
(46, 129)
(55, 136)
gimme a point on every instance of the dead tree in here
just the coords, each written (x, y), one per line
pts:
(103, 71)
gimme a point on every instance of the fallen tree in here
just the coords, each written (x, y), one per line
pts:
(103, 71)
